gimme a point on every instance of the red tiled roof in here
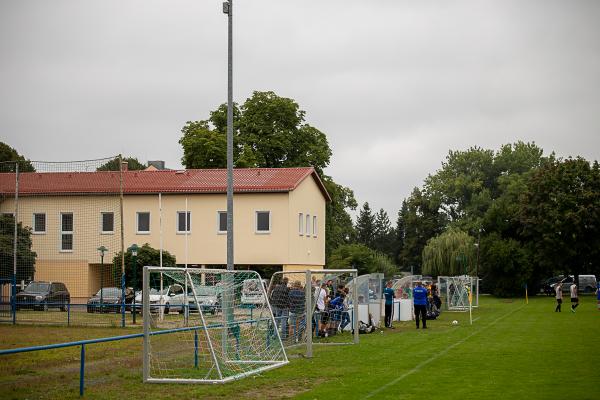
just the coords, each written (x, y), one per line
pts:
(256, 180)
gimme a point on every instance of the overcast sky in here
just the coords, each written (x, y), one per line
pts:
(394, 84)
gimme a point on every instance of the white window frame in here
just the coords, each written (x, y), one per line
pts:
(301, 224)
(137, 222)
(314, 227)
(219, 231)
(63, 232)
(33, 227)
(189, 223)
(307, 225)
(256, 231)
(102, 231)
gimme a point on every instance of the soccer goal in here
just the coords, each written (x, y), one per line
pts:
(455, 291)
(206, 334)
(334, 321)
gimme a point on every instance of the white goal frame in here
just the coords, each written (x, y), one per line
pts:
(218, 356)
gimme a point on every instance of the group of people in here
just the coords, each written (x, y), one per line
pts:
(426, 303)
(289, 308)
(559, 296)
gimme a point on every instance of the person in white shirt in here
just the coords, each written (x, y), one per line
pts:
(323, 316)
(558, 290)
(574, 298)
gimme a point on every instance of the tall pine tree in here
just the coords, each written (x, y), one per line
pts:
(365, 226)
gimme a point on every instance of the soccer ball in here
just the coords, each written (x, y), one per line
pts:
(455, 322)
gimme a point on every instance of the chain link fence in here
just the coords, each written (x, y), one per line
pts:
(61, 243)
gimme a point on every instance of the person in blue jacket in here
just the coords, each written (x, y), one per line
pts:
(389, 294)
(420, 303)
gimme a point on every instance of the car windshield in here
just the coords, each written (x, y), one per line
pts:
(37, 287)
(109, 292)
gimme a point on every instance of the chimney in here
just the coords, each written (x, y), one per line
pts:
(124, 166)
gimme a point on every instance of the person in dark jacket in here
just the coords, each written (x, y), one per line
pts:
(420, 304)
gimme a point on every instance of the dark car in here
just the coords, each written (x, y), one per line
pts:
(547, 286)
(109, 299)
(40, 295)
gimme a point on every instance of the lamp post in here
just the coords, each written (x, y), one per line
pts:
(134, 252)
(102, 250)
(478, 241)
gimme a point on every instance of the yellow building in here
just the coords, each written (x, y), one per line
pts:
(279, 219)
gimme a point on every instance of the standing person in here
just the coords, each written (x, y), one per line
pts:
(389, 294)
(598, 294)
(297, 314)
(280, 303)
(346, 313)
(321, 315)
(574, 298)
(420, 303)
(558, 290)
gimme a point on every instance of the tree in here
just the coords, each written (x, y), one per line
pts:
(365, 226)
(7, 153)
(147, 255)
(339, 228)
(560, 216)
(133, 164)
(450, 253)
(269, 131)
(421, 221)
(25, 257)
(364, 259)
(384, 235)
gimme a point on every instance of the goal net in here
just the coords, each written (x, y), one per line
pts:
(331, 316)
(455, 290)
(198, 330)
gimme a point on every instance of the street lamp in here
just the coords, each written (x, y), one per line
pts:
(102, 250)
(478, 241)
(134, 252)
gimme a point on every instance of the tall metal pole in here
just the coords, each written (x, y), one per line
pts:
(478, 242)
(13, 289)
(228, 9)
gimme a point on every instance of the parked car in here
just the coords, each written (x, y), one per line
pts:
(164, 297)
(109, 299)
(547, 286)
(208, 299)
(43, 295)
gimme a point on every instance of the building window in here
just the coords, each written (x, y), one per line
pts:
(143, 222)
(222, 221)
(39, 223)
(184, 222)
(300, 224)
(263, 221)
(307, 225)
(314, 225)
(108, 222)
(66, 231)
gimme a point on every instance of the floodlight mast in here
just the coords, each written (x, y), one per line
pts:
(228, 9)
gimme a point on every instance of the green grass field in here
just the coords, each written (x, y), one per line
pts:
(512, 351)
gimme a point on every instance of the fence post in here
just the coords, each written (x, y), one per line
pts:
(123, 300)
(196, 348)
(69, 313)
(309, 313)
(82, 370)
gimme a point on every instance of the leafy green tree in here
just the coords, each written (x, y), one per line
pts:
(450, 253)
(133, 164)
(421, 221)
(7, 153)
(361, 257)
(365, 226)
(339, 229)
(25, 257)
(560, 216)
(147, 255)
(269, 131)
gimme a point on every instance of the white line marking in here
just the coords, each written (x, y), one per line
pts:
(476, 319)
(438, 355)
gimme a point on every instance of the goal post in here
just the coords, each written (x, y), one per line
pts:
(197, 330)
(293, 297)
